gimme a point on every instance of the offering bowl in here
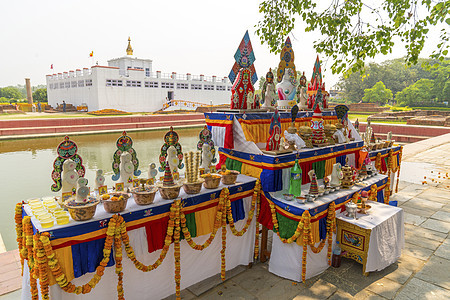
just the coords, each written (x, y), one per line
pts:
(229, 176)
(144, 196)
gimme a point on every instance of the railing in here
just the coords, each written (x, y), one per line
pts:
(183, 104)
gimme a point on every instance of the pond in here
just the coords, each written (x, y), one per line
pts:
(26, 166)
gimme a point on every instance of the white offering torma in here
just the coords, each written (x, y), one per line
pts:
(99, 179)
(69, 176)
(207, 157)
(172, 158)
(340, 136)
(126, 169)
(336, 175)
(152, 171)
(293, 137)
(82, 190)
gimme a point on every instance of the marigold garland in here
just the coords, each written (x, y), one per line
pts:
(255, 196)
(217, 224)
(298, 230)
(19, 231)
(258, 208)
(373, 192)
(224, 246)
(118, 257)
(378, 162)
(42, 259)
(176, 236)
(305, 226)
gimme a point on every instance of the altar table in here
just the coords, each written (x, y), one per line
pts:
(375, 239)
(75, 239)
(286, 259)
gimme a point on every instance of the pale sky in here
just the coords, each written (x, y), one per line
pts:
(196, 36)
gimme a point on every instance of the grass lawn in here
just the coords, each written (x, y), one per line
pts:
(360, 117)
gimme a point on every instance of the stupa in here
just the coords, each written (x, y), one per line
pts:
(347, 179)
(318, 133)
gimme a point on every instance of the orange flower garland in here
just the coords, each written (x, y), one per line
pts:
(306, 237)
(42, 260)
(28, 252)
(60, 277)
(258, 207)
(250, 214)
(167, 242)
(217, 224)
(176, 252)
(224, 246)
(378, 162)
(43, 269)
(118, 257)
(305, 226)
(19, 231)
(298, 230)
(373, 193)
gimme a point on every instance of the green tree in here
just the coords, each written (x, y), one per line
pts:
(40, 95)
(10, 92)
(395, 74)
(351, 31)
(418, 94)
(377, 94)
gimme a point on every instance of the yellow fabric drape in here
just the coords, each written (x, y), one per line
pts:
(251, 171)
(315, 233)
(204, 220)
(329, 166)
(64, 256)
(258, 130)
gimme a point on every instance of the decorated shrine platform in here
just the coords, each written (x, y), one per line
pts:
(289, 213)
(231, 129)
(79, 245)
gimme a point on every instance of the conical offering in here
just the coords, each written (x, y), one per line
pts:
(168, 178)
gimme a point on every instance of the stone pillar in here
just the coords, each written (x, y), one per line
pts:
(29, 93)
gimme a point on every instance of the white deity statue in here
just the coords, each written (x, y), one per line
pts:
(303, 98)
(269, 92)
(152, 171)
(207, 157)
(287, 90)
(126, 169)
(82, 190)
(99, 179)
(336, 175)
(69, 176)
(172, 158)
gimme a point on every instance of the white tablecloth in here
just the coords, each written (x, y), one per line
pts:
(159, 283)
(387, 237)
(286, 260)
(386, 241)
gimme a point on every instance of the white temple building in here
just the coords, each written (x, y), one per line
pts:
(129, 84)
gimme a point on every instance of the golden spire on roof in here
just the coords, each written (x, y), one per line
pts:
(129, 49)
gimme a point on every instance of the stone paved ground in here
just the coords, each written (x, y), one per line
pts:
(422, 272)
